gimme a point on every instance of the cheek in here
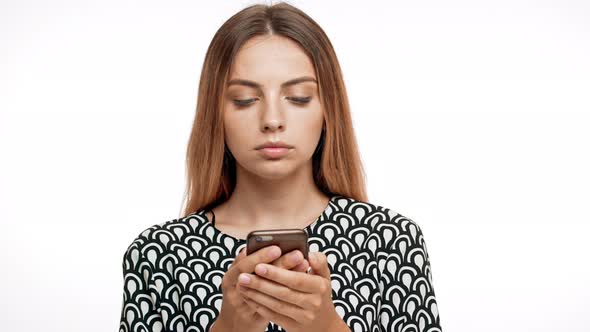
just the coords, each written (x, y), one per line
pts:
(307, 130)
(234, 143)
(238, 132)
(311, 117)
(241, 140)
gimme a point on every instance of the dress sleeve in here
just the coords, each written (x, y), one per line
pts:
(139, 312)
(408, 302)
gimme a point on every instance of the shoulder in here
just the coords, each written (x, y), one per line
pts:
(389, 225)
(160, 236)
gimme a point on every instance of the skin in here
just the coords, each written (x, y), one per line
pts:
(271, 193)
(274, 193)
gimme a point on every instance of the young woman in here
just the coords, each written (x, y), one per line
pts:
(271, 78)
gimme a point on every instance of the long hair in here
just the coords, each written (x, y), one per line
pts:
(211, 168)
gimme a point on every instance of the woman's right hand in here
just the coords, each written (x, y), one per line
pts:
(235, 313)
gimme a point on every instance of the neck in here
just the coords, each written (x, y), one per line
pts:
(292, 201)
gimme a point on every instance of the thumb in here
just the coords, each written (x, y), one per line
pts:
(241, 254)
(319, 264)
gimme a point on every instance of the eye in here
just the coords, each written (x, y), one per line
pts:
(247, 102)
(300, 100)
(244, 102)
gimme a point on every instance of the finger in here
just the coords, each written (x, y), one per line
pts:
(276, 290)
(271, 315)
(284, 308)
(240, 255)
(247, 264)
(289, 260)
(302, 267)
(249, 303)
(303, 282)
(253, 306)
(319, 264)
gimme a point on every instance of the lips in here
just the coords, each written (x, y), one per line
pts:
(274, 145)
(274, 152)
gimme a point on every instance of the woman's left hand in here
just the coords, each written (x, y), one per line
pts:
(297, 301)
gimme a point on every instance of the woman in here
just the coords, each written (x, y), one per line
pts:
(271, 76)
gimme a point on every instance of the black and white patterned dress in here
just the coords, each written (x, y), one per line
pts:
(380, 271)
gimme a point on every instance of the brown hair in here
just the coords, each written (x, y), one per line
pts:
(211, 169)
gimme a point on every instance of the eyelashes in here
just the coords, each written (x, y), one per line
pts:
(248, 102)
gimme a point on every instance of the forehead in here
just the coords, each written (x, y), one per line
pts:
(271, 60)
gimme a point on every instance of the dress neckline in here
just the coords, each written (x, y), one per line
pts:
(308, 228)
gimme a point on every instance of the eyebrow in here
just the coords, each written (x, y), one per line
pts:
(252, 84)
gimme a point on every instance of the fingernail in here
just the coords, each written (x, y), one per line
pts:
(261, 269)
(295, 257)
(244, 279)
(274, 252)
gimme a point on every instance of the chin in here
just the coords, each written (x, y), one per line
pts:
(274, 169)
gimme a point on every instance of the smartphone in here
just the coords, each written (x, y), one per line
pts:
(288, 239)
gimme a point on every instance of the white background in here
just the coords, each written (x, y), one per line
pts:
(472, 119)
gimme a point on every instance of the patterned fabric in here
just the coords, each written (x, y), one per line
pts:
(380, 271)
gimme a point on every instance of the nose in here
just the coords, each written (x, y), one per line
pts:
(272, 126)
(272, 116)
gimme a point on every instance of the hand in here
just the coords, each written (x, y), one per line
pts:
(296, 301)
(235, 313)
